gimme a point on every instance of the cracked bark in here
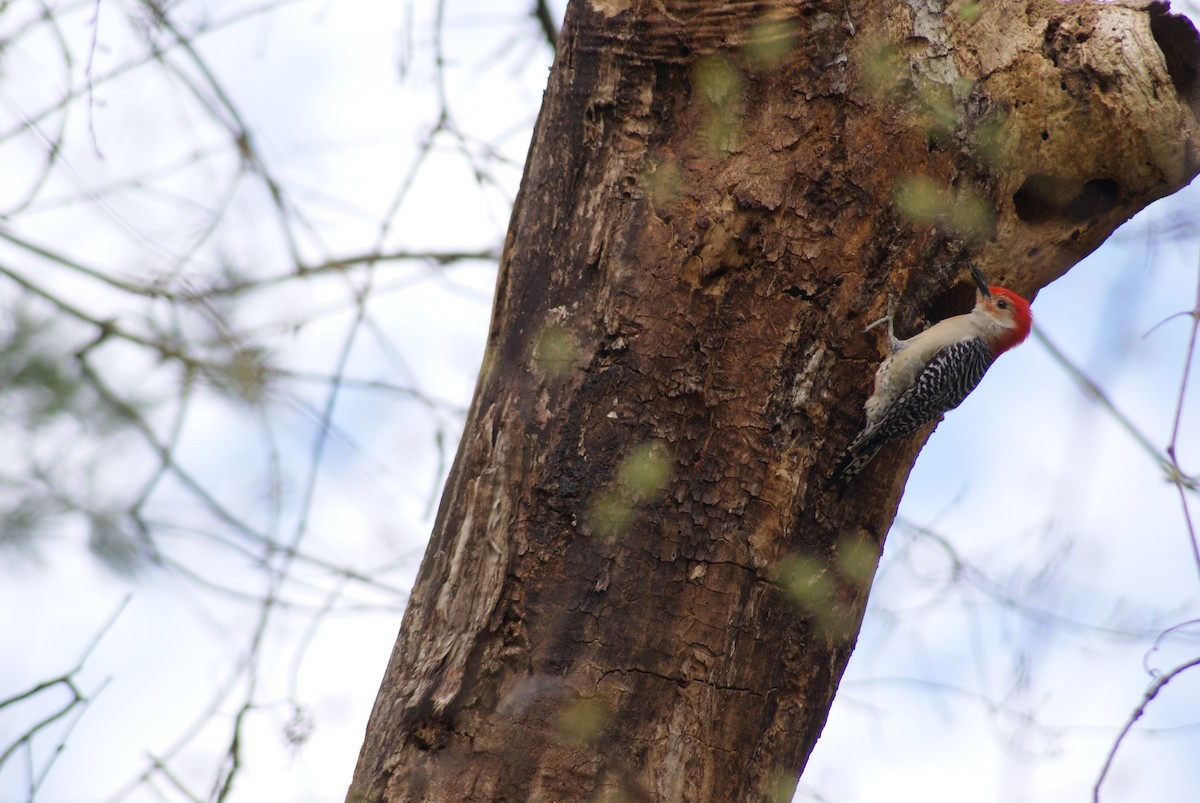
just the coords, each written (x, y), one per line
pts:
(636, 584)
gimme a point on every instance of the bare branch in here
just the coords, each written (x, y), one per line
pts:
(1158, 685)
(541, 12)
(1177, 476)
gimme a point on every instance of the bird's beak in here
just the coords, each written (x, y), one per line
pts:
(980, 281)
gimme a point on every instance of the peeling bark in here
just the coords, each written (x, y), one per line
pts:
(637, 584)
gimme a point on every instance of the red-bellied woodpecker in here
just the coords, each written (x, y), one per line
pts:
(933, 371)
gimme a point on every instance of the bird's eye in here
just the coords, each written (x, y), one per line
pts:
(1002, 304)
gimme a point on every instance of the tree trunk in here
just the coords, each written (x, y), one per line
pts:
(638, 586)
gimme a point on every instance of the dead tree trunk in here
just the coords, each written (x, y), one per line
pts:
(637, 584)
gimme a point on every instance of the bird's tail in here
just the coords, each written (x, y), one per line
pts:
(855, 459)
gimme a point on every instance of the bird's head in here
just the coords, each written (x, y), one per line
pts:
(1007, 311)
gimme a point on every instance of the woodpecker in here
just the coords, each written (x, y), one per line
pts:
(934, 370)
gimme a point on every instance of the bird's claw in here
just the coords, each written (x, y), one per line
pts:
(886, 318)
(894, 343)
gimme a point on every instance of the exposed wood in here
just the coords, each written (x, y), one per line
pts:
(637, 585)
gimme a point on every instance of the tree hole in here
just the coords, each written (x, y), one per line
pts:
(1035, 200)
(1097, 197)
(1176, 37)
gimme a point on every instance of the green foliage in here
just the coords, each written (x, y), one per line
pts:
(718, 87)
(244, 373)
(970, 11)
(37, 385)
(610, 514)
(965, 213)
(645, 470)
(555, 350)
(882, 69)
(664, 181)
(21, 523)
(769, 42)
(828, 589)
(641, 476)
(113, 544)
(583, 719)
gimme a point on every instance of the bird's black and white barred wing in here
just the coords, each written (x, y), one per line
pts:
(947, 379)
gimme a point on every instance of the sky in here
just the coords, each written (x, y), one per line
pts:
(1038, 579)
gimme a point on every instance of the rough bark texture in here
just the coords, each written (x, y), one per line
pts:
(637, 583)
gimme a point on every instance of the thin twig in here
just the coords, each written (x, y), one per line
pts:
(1177, 475)
(541, 11)
(78, 699)
(1155, 687)
(1097, 393)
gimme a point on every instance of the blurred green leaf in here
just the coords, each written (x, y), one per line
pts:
(770, 41)
(114, 545)
(555, 350)
(583, 719)
(645, 470)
